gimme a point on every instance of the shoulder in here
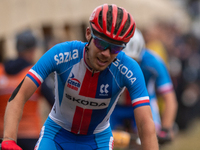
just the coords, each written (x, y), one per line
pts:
(151, 54)
(63, 52)
(127, 68)
(125, 64)
(126, 60)
(70, 45)
(151, 58)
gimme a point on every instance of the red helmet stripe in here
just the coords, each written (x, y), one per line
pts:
(132, 25)
(95, 19)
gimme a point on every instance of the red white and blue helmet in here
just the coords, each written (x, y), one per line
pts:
(99, 22)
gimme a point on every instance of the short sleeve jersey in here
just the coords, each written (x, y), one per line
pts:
(85, 101)
(155, 73)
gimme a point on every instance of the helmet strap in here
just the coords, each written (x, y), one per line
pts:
(86, 50)
(86, 47)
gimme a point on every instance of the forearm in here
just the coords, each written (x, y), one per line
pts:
(170, 110)
(148, 136)
(12, 118)
(15, 107)
(146, 128)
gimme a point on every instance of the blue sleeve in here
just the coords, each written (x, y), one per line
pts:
(135, 83)
(163, 79)
(59, 58)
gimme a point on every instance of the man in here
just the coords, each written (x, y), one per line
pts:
(11, 74)
(157, 79)
(89, 79)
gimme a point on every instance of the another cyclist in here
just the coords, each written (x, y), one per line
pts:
(157, 79)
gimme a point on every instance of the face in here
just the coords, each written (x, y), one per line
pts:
(96, 58)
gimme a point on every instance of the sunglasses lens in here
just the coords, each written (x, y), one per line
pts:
(102, 45)
(115, 49)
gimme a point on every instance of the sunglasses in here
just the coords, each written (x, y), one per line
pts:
(103, 45)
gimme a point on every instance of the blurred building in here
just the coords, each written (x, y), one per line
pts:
(68, 19)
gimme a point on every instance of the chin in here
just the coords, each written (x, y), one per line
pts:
(100, 68)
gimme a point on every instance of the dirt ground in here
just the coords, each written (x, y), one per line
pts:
(184, 140)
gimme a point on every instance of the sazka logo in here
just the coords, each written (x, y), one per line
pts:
(73, 83)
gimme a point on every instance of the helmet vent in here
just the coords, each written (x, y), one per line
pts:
(100, 19)
(119, 19)
(125, 26)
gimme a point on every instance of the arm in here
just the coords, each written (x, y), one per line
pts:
(146, 128)
(170, 109)
(14, 108)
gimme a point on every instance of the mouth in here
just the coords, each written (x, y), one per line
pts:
(101, 62)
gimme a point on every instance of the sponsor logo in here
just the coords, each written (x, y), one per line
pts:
(125, 71)
(85, 102)
(66, 57)
(73, 83)
(103, 88)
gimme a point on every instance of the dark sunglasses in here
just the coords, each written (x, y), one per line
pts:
(103, 45)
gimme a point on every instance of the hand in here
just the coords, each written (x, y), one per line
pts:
(164, 136)
(10, 145)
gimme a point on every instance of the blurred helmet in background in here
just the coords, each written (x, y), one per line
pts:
(135, 45)
(25, 41)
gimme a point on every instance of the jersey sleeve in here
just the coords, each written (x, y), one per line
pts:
(136, 84)
(48, 63)
(163, 80)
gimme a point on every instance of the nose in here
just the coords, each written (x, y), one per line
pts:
(106, 52)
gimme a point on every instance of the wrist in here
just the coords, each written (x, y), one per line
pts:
(8, 138)
(165, 129)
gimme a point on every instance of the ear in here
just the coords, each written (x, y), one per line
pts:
(88, 34)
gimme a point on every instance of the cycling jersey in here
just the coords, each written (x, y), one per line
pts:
(84, 101)
(155, 73)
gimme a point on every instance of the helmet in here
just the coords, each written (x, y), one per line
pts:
(135, 45)
(25, 41)
(114, 22)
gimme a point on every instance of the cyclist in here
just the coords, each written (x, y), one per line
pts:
(157, 78)
(89, 79)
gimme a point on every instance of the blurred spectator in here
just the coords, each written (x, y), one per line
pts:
(12, 73)
(183, 51)
(153, 39)
(186, 56)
